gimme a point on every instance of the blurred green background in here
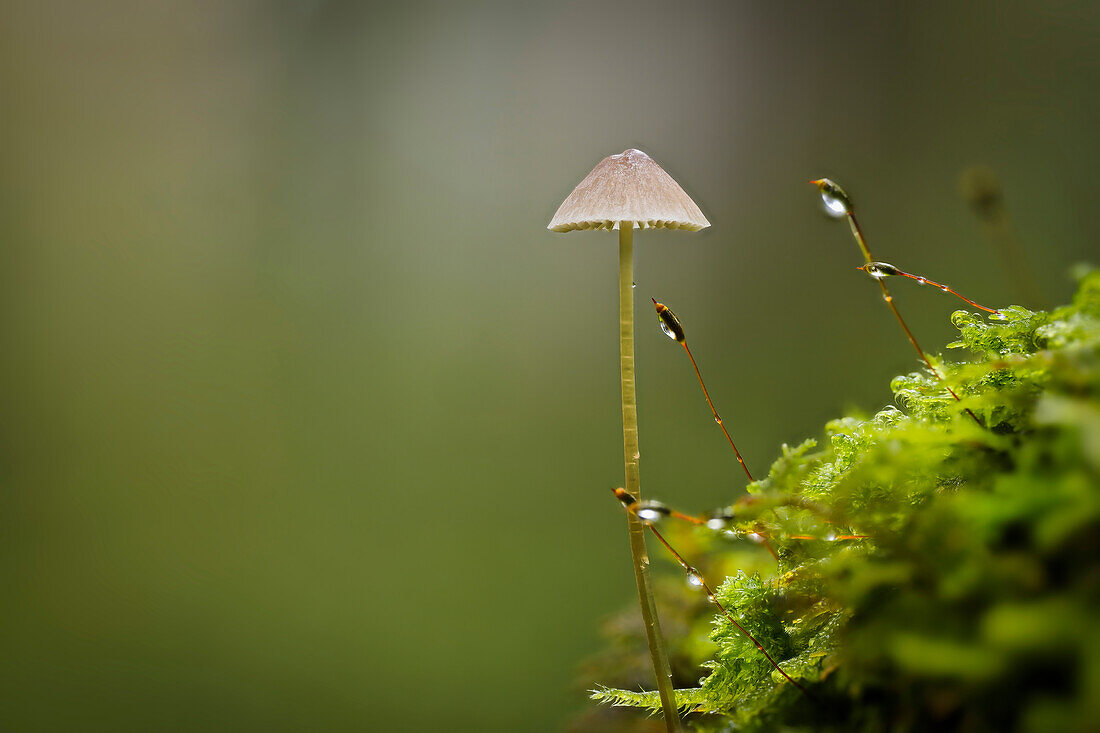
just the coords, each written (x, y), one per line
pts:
(309, 422)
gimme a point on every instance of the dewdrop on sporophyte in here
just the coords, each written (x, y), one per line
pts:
(650, 511)
(672, 328)
(669, 331)
(880, 270)
(833, 196)
(839, 204)
(696, 580)
(718, 521)
(669, 323)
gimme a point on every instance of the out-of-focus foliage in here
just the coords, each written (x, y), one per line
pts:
(971, 601)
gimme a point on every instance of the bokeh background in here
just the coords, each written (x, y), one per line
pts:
(309, 422)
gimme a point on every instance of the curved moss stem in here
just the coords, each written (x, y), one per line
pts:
(631, 457)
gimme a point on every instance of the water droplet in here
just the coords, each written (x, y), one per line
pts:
(711, 598)
(720, 520)
(879, 270)
(998, 316)
(835, 200)
(633, 285)
(755, 536)
(717, 419)
(670, 324)
(834, 206)
(694, 578)
(651, 512)
(830, 537)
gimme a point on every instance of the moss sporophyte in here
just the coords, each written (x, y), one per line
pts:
(838, 204)
(672, 327)
(879, 270)
(929, 574)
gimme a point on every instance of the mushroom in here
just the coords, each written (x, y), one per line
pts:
(626, 192)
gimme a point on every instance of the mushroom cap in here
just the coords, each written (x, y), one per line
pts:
(629, 187)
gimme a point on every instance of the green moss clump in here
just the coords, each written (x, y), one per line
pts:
(971, 600)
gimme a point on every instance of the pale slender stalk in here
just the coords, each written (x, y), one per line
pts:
(631, 457)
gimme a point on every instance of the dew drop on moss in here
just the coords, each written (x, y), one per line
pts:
(651, 512)
(835, 207)
(694, 579)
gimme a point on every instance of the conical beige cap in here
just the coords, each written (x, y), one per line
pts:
(629, 187)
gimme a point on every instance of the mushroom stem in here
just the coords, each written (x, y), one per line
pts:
(657, 650)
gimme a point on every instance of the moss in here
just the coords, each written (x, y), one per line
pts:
(971, 603)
